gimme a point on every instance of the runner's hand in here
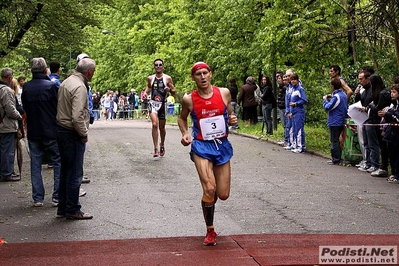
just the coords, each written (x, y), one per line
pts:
(186, 140)
(232, 120)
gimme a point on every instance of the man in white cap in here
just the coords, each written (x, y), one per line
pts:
(80, 57)
(211, 113)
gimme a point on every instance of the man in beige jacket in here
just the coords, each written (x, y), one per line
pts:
(72, 133)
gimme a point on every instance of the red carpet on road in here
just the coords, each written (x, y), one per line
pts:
(263, 249)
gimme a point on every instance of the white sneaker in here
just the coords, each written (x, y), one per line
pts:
(379, 173)
(361, 163)
(363, 168)
(297, 150)
(372, 169)
(281, 142)
(38, 204)
(82, 192)
(288, 148)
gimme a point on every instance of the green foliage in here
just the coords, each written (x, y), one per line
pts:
(53, 30)
(236, 38)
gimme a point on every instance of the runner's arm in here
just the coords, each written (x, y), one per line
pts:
(182, 121)
(348, 91)
(170, 85)
(227, 100)
(148, 87)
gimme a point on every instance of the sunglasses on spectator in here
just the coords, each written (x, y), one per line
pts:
(158, 65)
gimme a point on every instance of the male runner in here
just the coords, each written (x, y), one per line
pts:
(159, 84)
(211, 113)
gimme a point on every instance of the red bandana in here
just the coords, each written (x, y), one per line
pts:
(199, 65)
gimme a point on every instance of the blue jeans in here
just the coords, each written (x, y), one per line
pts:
(267, 117)
(7, 154)
(37, 149)
(72, 153)
(234, 106)
(96, 113)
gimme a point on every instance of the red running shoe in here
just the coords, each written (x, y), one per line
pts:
(156, 153)
(162, 151)
(210, 239)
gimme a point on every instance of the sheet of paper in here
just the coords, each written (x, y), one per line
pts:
(357, 116)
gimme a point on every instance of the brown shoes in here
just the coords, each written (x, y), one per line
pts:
(79, 216)
(10, 178)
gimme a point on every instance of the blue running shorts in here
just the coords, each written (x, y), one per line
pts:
(218, 151)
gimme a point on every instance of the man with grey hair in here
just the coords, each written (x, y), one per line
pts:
(8, 126)
(72, 133)
(39, 98)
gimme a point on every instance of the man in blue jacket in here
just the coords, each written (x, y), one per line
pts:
(39, 98)
(337, 106)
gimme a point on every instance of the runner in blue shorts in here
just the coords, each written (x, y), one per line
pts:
(211, 114)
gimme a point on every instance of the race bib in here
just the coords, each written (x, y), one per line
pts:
(213, 127)
(155, 106)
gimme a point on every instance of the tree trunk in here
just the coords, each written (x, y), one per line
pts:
(21, 32)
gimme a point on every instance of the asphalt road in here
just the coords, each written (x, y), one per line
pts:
(133, 195)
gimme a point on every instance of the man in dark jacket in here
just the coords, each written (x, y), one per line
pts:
(39, 98)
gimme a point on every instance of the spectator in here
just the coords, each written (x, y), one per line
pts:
(96, 107)
(233, 92)
(297, 109)
(335, 72)
(268, 103)
(381, 98)
(55, 69)
(20, 133)
(132, 102)
(170, 101)
(72, 134)
(363, 93)
(9, 117)
(288, 128)
(282, 90)
(39, 98)
(21, 81)
(248, 102)
(106, 103)
(391, 133)
(337, 106)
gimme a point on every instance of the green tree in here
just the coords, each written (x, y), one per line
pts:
(51, 29)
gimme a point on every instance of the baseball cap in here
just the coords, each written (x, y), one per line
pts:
(81, 56)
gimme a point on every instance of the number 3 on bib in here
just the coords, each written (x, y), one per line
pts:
(213, 127)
